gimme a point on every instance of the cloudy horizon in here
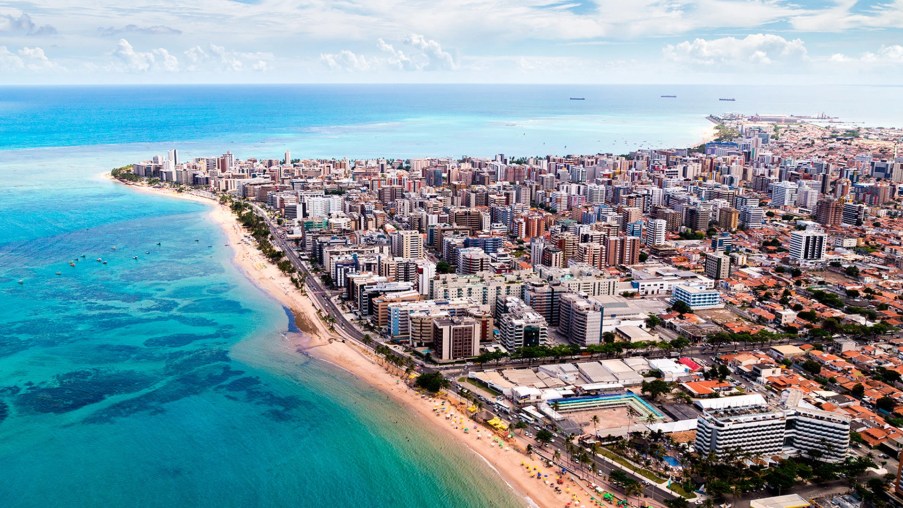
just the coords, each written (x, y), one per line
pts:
(445, 41)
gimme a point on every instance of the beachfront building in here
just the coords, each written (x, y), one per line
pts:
(455, 338)
(520, 326)
(756, 430)
(580, 320)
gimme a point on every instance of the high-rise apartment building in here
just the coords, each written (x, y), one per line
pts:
(580, 320)
(655, 231)
(455, 338)
(717, 266)
(407, 244)
(807, 246)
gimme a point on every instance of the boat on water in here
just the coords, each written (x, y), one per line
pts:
(104, 262)
(135, 258)
(727, 99)
(668, 96)
(72, 264)
(21, 281)
(99, 260)
(59, 273)
(578, 98)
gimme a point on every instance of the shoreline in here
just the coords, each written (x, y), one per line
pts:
(316, 341)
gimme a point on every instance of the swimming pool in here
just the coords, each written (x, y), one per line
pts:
(671, 461)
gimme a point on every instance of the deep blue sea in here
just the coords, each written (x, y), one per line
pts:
(162, 381)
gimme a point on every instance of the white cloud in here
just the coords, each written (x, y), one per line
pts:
(759, 49)
(418, 54)
(24, 59)
(885, 56)
(22, 24)
(435, 56)
(840, 17)
(219, 58)
(143, 61)
(346, 60)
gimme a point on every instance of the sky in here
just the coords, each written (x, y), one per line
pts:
(451, 41)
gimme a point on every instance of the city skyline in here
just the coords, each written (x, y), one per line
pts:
(580, 41)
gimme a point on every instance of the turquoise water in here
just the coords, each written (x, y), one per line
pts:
(163, 381)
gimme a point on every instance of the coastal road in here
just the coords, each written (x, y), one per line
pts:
(320, 295)
(314, 286)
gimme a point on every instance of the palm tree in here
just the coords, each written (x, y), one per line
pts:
(631, 414)
(650, 419)
(634, 488)
(595, 420)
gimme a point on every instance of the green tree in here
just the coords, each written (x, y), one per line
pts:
(677, 502)
(655, 388)
(544, 436)
(653, 321)
(432, 382)
(681, 307)
(444, 267)
(857, 391)
(812, 367)
(886, 404)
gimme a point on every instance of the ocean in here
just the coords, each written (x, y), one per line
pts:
(161, 381)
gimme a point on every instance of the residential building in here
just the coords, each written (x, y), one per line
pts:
(519, 325)
(717, 266)
(580, 320)
(655, 231)
(455, 338)
(407, 244)
(807, 247)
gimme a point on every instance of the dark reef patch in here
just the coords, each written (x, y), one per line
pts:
(214, 305)
(10, 346)
(154, 401)
(80, 388)
(279, 408)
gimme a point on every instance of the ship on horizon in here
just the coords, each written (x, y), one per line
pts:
(727, 99)
(578, 98)
(668, 96)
